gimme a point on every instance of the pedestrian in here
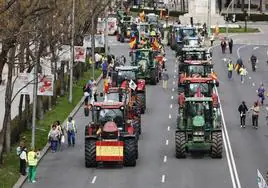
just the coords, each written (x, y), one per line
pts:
(98, 59)
(94, 91)
(165, 78)
(242, 109)
(239, 64)
(223, 46)
(22, 153)
(212, 39)
(243, 73)
(61, 136)
(230, 67)
(255, 115)
(253, 60)
(71, 131)
(53, 138)
(33, 156)
(87, 93)
(261, 94)
(230, 44)
(104, 67)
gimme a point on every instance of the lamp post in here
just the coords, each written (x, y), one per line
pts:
(106, 33)
(72, 56)
(227, 25)
(93, 45)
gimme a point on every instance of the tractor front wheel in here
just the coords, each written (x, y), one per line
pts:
(153, 77)
(180, 141)
(141, 101)
(90, 153)
(130, 152)
(217, 145)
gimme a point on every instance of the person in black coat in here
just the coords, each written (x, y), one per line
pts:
(230, 44)
(223, 46)
(243, 110)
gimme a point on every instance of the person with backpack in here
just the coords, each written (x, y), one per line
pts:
(22, 153)
(242, 109)
(61, 134)
(261, 94)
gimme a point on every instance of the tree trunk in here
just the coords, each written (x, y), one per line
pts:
(20, 109)
(8, 98)
(54, 72)
(61, 78)
(28, 114)
(3, 59)
(243, 5)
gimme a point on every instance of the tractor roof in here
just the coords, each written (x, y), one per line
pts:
(126, 68)
(189, 80)
(144, 23)
(198, 99)
(197, 62)
(191, 49)
(109, 104)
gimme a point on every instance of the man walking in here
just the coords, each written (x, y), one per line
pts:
(71, 130)
(255, 115)
(242, 109)
(165, 78)
(230, 44)
(230, 67)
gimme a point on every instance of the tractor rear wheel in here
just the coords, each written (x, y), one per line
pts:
(180, 90)
(153, 77)
(180, 140)
(130, 152)
(90, 153)
(217, 145)
(141, 102)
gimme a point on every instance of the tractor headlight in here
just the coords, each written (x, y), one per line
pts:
(122, 108)
(98, 108)
(198, 133)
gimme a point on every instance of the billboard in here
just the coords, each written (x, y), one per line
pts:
(45, 85)
(23, 81)
(99, 41)
(79, 54)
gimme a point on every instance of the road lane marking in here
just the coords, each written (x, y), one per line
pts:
(171, 106)
(175, 70)
(249, 78)
(172, 97)
(238, 49)
(256, 47)
(163, 179)
(169, 116)
(173, 89)
(168, 128)
(166, 142)
(174, 83)
(165, 159)
(94, 179)
(253, 84)
(174, 76)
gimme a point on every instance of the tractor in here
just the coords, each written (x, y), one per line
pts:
(143, 30)
(199, 127)
(124, 29)
(191, 53)
(125, 95)
(110, 137)
(149, 68)
(125, 74)
(196, 69)
(190, 85)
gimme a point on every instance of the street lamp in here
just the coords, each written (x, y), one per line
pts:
(227, 26)
(72, 56)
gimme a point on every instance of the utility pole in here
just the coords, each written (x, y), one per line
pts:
(106, 33)
(93, 45)
(209, 18)
(227, 25)
(249, 7)
(72, 56)
(35, 80)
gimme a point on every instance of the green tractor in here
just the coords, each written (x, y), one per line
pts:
(124, 28)
(199, 127)
(149, 70)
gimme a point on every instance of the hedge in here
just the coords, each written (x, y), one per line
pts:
(253, 17)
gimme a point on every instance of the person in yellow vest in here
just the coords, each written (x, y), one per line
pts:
(230, 67)
(153, 33)
(243, 73)
(71, 131)
(32, 156)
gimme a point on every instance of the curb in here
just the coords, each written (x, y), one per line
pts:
(22, 179)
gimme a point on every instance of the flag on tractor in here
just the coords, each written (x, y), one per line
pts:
(260, 180)
(132, 43)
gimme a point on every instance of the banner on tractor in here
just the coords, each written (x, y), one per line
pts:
(132, 85)
(109, 151)
(79, 54)
(45, 85)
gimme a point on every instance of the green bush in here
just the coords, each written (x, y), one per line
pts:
(253, 17)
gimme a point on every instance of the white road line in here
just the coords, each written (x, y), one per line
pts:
(169, 116)
(267, 52)
(172, 97)
(171, 106)
(168, 128)
(166, 142)
(253, 84)
(174, 83)
(238, 49)
(256, 47)
(94, 179)
(175, 70)
(175, 76)
(249, 78)
(173, 89)
(163, 179)
(165, 159)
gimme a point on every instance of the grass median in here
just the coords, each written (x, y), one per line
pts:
(9, 171)
(239, 30)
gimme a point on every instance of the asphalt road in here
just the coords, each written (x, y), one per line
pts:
(249, 145)
(157, 166)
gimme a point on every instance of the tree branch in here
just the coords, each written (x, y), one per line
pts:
(7, 6)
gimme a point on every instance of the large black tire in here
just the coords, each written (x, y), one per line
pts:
(153, 77)
(141, 101)
(180, 141)
(137, 150)
(90, 153)
(217, 145)
(180, 90)
(86, 111)
(130, 151)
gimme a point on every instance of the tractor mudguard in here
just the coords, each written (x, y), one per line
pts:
(217, 130)
(91, 137)
(129, 136)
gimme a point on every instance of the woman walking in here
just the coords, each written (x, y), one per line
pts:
(53, 137)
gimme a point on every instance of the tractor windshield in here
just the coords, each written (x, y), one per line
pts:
(196, 70)
(192, 42)
(195, 87)
(105, 115)
(120, 97)
(199, 113)
(144, 28)
(126, 75)
(188, 32)
(152, 19)
(194, 55)
(143, 64)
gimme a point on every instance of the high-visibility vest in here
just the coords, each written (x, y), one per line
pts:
(152, 33)
(230, 67)
(73, 124)
(242, 71)
(32, 158)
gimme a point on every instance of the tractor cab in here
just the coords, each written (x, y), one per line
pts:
(191, 86)
(124, 73)
(193, 54)
(195, 68)
(152, 19)
(143, 29)
(124, 29)
(192, 42)
(139, 54)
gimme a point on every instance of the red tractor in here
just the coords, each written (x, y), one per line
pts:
(110, 137)
(126, 76)
(126, 96)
